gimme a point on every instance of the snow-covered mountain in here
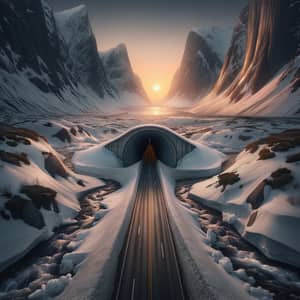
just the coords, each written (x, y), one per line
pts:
(50, 63)
(76, 30)
(201, 64)
(32, 57)
(120, 73)
(267, 84)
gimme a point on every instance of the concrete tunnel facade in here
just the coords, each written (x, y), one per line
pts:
(170, 148)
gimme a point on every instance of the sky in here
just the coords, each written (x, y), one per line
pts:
(154, 31)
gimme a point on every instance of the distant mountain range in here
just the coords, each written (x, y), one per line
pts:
(50, 62)
(260, 75)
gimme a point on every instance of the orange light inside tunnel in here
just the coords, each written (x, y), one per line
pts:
(149, 155)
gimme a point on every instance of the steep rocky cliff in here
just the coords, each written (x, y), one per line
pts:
(31, 49)
(120, 73)
(235, 56)
(49, 63)
(201, 63)
(272, 42)
(76, 30)
(267, 82)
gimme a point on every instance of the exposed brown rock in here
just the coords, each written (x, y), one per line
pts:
(63, 135)
(283, 141)
(24, 209)
(41, 197)
(252, 218)
(226, 179)
(54, 167)
(73, 131)
(280, 178)
(265, 154)
(256, 198)
(293, 158)
(13, 158)
(19, 134)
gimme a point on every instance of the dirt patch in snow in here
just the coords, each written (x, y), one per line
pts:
(14, 158)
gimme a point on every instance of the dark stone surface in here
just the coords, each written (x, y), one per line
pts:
(120, 73)
(256, 198)
(272, 41)
(32, 216)
(235, 56)
(14, 158)
(293, 158)
(28, 30)
(84, 57)
(63, 135)
(54, 167)
(280, 178)
(41, 197)
(196, 77)
(15, 206)
(24, 209)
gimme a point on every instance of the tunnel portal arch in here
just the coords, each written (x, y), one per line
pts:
(169, 147)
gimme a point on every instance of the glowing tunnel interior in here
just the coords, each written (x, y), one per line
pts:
(168, 146)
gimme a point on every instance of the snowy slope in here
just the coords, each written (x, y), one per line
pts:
(37, 192)
(38, 73)
(201, 64)
(259, 195)
(267, 83)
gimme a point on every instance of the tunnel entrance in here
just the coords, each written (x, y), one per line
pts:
(161, 147)
(166, 145)
(149, 156)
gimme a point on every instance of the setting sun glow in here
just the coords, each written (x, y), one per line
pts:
(156, 88)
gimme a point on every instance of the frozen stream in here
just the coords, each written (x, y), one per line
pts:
(229, 135)
(43, 264)
(248, 263)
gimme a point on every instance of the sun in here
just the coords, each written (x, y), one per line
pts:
(156, 88)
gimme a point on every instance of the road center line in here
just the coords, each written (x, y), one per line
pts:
(133, 287)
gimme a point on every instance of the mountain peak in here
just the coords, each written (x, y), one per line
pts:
(216, 37)
(75, 11)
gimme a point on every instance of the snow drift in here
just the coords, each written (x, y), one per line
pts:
(37, 192)
(259, 195)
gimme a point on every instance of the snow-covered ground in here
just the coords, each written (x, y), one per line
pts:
(277, 98)
(259, 195)
(102, 242)
(38, 192)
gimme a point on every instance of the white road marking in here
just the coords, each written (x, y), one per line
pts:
(162, 250)
(139, 230)
(133, 287)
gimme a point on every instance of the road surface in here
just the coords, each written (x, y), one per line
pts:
(148, 263)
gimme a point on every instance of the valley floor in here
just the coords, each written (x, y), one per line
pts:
(103, 216)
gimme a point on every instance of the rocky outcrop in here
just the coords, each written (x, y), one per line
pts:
(273, 41)
(30, 43)
(74, 25)
(201, 63)
(263, 79)
(235, 56)
(120, 72)
(49, 63)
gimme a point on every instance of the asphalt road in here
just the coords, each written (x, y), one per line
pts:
(149, 267)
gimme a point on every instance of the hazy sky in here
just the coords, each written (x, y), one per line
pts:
(153, 30)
